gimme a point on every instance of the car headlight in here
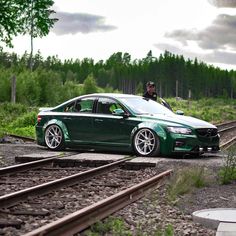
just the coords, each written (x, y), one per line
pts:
(179, 130)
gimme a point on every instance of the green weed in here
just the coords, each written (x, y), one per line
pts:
(17, 119)
(214, 110)
(168, 231)
(112, 225)
(27, 119)
(228, 172)
(185, 180)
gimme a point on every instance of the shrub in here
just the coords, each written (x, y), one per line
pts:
(9, 112)
(15, 119)
(90, 85)
(213, 110)
(27, 89)
(228, 172)
(28, 131)
(185, 180)
(28, 119)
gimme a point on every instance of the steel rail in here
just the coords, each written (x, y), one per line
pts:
(82, 219)
(228, 144)
(21, 137)
(26, 166)
(227, 129)
(19, 196)
(225, 124)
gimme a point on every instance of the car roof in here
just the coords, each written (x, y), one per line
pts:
(108, 95)
(114, 95)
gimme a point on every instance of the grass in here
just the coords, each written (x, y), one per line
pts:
(168, 231)
(17, 119)
(112, 226)
(214, 110)
(227, 173)
(186, 180)
(116, 227)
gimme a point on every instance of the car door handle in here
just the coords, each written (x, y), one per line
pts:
(98, 120)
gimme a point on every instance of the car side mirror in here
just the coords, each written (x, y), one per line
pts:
(119, 112)
(179, 112)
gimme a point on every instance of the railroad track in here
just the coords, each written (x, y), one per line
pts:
(11, 181)
(26, 166)
(13, 198)
(25, 139)
(227, 130)
(227, 126)
(228, 144)
(88, 212)
(82, 219)
(45, 200)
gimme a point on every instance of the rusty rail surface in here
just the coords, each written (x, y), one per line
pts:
(228, 144)
(227, 129)
(82, 219)
(223, 125)
(19, 196)
(21, 137)
(26, 166)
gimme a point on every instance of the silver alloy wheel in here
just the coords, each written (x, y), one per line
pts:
(145, 141)
(53, 137)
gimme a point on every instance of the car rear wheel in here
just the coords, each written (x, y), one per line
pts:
(146, 143)
(54, 138)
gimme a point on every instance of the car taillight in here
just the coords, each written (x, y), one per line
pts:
(39, 119)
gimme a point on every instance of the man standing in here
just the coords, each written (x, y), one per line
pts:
(150, 91)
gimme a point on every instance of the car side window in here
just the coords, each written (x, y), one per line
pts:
(107, 105)
(70, 107)
(84, 106)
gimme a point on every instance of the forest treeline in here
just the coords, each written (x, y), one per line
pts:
(52, 80)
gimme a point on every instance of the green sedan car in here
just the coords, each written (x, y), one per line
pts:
(121, 122)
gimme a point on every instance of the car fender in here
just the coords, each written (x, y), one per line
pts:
(158, 129)
(61, 125)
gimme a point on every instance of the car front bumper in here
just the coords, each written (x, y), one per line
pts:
(190, 144)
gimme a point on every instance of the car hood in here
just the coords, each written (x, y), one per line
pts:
(177, 120)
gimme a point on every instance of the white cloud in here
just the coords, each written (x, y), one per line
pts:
(80, 22)
(223, 3)
(99, 28)
(220, 34)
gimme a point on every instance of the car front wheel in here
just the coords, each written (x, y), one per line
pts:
(146, 143)
(54, 138)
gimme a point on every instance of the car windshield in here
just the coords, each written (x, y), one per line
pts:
(142, 106)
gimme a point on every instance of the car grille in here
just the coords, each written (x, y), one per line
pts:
(209, 132)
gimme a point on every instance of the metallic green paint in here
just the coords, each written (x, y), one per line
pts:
(61, 125)
(116, 131)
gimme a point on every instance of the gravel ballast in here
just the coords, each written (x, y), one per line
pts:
(154, 212)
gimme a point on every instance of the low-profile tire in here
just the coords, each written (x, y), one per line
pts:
(146, 143)
(54, 137)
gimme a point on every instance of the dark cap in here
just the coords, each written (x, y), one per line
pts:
(150, 83)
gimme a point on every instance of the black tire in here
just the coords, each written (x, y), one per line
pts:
(54, 137)
(146, 143)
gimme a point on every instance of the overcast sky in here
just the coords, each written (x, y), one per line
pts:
(205, 29)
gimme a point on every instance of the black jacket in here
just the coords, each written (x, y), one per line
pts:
(153, 96)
